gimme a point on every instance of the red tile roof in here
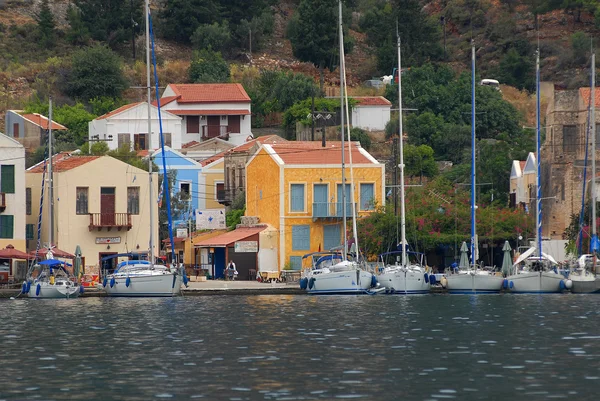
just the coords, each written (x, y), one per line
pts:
(210, 93)
(584, 93)
(175, 240)
(42, 121)
(63, 161)
(372, 101)
(308, 152)
(260, 140)
(219, 112)
(119, 110)
(213, 158)
(189, 144)
(230, 237)
(165, 100)
(143, 152)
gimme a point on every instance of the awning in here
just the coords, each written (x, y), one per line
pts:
(218, 112)
(221, 241)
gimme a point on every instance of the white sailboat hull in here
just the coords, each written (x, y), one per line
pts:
(144, 284)
(52, 291)
(470, 282)
(535, 282)
(342, 279)
(584, 282)
(404, 281)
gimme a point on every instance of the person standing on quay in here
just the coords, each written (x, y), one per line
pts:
(231, 270)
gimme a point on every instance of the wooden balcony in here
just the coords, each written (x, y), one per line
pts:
(331, 210)
(110, 221)
(2, 201)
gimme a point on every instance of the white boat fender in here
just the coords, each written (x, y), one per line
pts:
(432, 278)
(568, 284)
(444, 282)
(311, 283)
(127, 281)
(38, 288)
(104, 282)
(112, 282)
(426, 277)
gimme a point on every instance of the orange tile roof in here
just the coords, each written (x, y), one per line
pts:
(584, 93)
(217, 112)
(372, 101)
(143, 152)
(260, 140)
(42, 121)
(230, 237)
(117, 111)
(308, 152)
(213, 158)
(189, 144)
(210, 93)
(64, 161)
(165, 100)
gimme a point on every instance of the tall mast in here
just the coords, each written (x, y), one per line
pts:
(538, 204)
(473, 167)
(401, 147)
(50, 176)
(593, 188)
(149, 135)
(344, 251)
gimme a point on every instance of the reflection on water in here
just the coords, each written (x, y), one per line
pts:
(302, 348)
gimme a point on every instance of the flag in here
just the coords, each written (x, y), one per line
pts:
(160, 194)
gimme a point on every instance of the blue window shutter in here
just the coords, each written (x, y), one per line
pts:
(367, 194)
(297, 194)
(296, 262)
(301, 238)
(331, 236)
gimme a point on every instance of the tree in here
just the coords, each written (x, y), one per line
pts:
(360, 135)
(516, 69)
(179, 19)
(580, 44)
(95, 72)
(126, 155)
(419, 161)
(46, 25)
(214, 36)
(208, 66)
(313, 32)
(111, 21)
(77, 33)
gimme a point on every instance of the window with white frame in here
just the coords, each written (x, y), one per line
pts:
(297, 198)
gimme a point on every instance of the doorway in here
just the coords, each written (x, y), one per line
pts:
(107, 206)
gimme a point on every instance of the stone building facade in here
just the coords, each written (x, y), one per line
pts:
(563, 156)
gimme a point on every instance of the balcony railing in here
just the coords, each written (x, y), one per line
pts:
(323, 210)
(110, 221)
(213, 131)
(2, 201)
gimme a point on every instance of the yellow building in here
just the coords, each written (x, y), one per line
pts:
(296, 187)
(100, 203)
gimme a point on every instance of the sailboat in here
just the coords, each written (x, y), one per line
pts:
(404, 278)
(147, 278)
(52, 279)
(346, 276)
(583, 274)
(535, 271)
(473, 280)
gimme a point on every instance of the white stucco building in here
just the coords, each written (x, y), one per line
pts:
(371, 113)
(129, 125)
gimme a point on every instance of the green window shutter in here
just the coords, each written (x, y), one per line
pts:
(7, 178)
(6, 226)
(29, 231)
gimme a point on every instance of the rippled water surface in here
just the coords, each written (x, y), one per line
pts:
(302, 348)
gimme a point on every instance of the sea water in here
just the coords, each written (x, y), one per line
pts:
(279, 347)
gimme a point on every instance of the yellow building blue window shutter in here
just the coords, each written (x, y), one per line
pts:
(332, 236)
(297, 195)
(367, 194)
(301, 238)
